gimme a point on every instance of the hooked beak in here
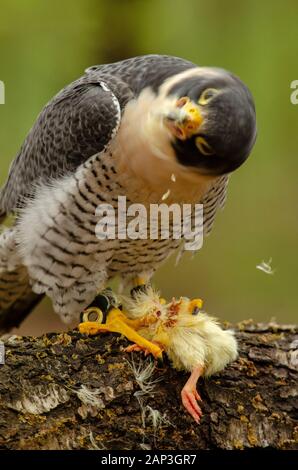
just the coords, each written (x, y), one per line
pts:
(185, 120)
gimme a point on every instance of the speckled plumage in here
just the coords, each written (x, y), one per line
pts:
(71, 161)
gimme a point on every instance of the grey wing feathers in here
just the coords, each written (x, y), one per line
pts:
(142, 71)
(80, 121)
(77, 123)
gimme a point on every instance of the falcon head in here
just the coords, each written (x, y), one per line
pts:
(208, 115)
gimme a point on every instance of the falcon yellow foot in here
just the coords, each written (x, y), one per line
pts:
(154, 349)
(96, 321)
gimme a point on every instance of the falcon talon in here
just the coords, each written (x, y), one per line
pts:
(118, 322)
(157, 354)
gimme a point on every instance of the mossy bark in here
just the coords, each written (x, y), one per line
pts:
(65, 391)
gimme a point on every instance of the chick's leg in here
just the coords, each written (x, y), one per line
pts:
(190, 396)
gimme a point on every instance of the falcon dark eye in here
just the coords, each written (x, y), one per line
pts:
(207, 95)
(203, 146)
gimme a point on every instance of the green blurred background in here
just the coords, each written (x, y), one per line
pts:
(45, 45)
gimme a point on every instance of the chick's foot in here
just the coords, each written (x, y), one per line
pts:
(190, 395)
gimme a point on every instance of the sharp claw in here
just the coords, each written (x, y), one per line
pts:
(194, 404)
(197, 395)
(189, 400)
(132, 348)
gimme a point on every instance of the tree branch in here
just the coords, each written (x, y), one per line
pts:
(66, 391)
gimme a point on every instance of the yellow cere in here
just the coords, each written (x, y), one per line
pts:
(194, 115)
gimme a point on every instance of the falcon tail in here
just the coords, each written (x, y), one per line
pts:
(16, 297)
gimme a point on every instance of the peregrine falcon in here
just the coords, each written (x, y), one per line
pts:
(135, 128)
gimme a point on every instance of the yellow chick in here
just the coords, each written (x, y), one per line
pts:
(192, 340)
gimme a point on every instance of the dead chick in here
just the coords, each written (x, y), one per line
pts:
(192, 340)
